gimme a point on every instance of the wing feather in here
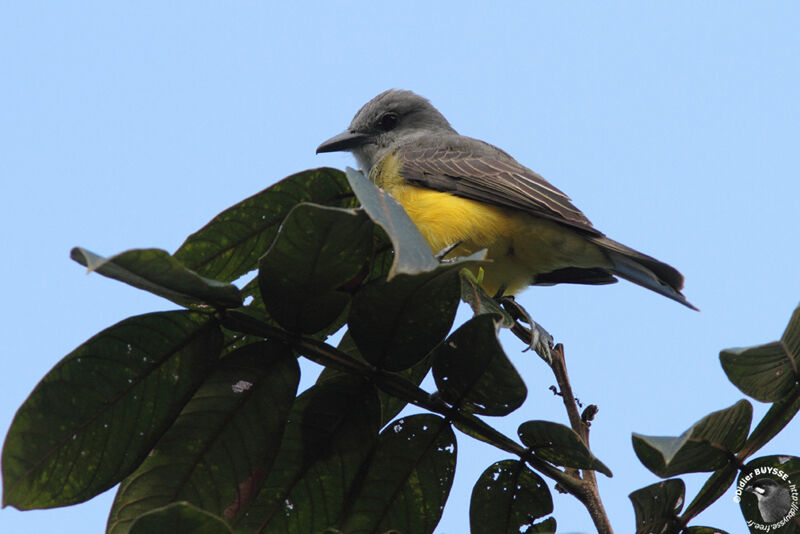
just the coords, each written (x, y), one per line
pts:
(489, 175)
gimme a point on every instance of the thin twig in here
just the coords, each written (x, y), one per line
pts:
(588, 493)
(593, 502)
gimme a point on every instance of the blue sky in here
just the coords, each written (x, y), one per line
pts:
(673, 126)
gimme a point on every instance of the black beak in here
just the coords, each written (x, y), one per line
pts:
(346, 140)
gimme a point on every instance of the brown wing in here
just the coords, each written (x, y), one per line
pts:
(472, 169)
(489, 175)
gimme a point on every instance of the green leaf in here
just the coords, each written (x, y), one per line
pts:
(224, 442)
(776, 418)
(255, 309)
(559, 445)
(179, 518)
(716, 485)
(231, 244)
(382, 256)
(768, 372)
(332, 429)
(412, 255)
(507, 498)
(317, 250)
(407, 480)
(390, 405)
(480, 302)
(706, 446)
(159, 273)
(396, 323)
(766, 489)
(97, 414)
(235, 340)
(253, 303)
(657, 506)
(472, 371)
(548, 526)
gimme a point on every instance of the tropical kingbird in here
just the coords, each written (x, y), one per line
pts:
(465, 192)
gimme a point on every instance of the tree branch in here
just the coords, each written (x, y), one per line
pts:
(593, 502)
(584, 489)
(398, 386)
(589, 493)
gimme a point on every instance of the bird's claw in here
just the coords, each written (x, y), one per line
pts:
(542, 342)
(537, 338)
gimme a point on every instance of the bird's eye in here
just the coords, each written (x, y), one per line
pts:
(387, 121)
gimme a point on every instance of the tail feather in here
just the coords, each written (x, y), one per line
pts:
(645, 271)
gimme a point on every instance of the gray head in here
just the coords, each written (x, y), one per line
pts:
(763, 488)
(774, 500)
(392, 118)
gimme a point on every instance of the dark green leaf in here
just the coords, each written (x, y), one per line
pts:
(766, 490)
(559, 445)
(224, 442)
(382, 256)
(472, 371)
(179, 518)
(548, 526)
(507, 498)
(412, 255)
(705, 446)
(255, 309)
(407, 480)
(767, 372)
(763, 372)
(390, 405)
(396, 323)
(476, 428)
(776, 418)
(94, 417)
(704, 530)
(332, 428)
(156, 271)
(716, 485)
(253, 303)
(231, 244)
(480, 302)
(235, 340)
(346, 346)
(317, 250)
(657, 506)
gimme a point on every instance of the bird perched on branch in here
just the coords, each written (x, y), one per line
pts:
(465, 192)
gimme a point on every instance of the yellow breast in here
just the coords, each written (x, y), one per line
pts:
(519, 245)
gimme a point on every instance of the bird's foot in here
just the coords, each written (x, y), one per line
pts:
(534, 335)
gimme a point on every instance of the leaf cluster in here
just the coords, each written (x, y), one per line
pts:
(196, 413)
(722, 441)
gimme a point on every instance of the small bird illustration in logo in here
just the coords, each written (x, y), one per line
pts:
(773, 499)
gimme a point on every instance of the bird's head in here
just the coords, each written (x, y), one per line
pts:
(391, 118)
(763, 488)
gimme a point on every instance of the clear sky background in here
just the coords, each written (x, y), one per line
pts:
(674, 126)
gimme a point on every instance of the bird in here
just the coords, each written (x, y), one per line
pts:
(469, 195)
(774, 500)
